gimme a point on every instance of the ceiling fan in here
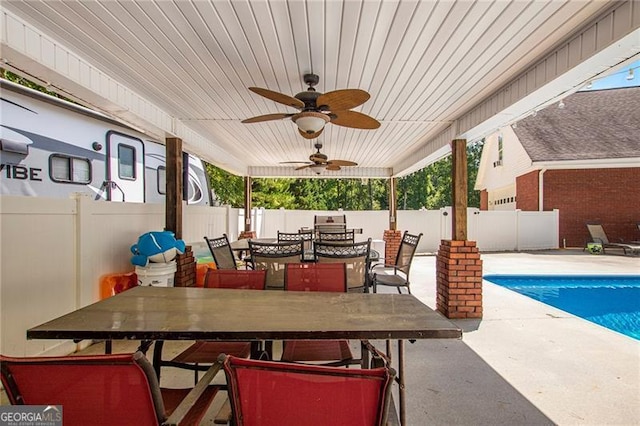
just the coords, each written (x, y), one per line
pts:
(319, 161)
(317, 109)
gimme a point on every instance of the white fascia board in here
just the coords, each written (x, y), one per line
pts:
(606, 163)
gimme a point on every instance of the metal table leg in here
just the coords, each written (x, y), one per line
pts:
(401, 382)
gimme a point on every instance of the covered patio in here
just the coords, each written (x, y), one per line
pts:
(525, 363)
(437, 72)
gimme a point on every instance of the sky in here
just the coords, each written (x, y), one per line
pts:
(618, 79)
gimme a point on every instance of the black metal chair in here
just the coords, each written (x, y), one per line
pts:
(354, 255)
(221, 252)
(346, 235)
(397, 275)
(274, 257)
(307, 242)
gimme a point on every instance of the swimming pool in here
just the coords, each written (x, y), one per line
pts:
(612, 301)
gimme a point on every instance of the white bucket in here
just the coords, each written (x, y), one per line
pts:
(157, 274)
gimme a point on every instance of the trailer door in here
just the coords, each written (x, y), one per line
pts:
(125, 168)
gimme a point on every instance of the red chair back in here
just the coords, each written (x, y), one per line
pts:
(236, 278)
(102, 389)
(316, 277)
(268, 393)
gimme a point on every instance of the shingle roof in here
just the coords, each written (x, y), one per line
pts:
(592, 125)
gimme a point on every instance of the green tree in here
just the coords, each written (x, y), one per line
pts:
(430, 187)
(8, 75)
(227, 188)
(273, 193)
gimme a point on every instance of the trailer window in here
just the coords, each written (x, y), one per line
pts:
(162, 180)
(126, 162)
(66, 169)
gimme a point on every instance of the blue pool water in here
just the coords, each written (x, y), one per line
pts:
(612, 301)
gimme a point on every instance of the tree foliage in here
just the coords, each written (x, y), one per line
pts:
(429, 187)
(8, 75)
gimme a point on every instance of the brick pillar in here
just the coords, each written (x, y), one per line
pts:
(459, 279)
(247, 234)
(186, 269)
(392, 239)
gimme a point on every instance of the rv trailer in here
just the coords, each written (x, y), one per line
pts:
(53, 148)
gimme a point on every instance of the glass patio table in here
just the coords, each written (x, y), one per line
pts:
(181, 313)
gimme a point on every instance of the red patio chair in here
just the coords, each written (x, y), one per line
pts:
(117, 389)
(201, 354)
(236, 279)
(265, 393)
(317, 277)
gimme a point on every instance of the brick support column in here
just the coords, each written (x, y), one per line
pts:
(247, 234)
(392, 239)
(459, 279)
(186, 269)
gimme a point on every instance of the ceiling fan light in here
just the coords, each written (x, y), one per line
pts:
(310, 122)
(317, 168)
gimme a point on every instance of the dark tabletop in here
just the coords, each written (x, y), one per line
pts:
(173, 313)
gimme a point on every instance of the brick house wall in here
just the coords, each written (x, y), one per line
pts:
(484, 200)
(527, 191)
(611, 196)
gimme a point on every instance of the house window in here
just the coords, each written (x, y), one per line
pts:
(500, 148)
(162, 180)
(67, 169)
(126, 162)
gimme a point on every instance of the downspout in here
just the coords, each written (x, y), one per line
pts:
(541, 190)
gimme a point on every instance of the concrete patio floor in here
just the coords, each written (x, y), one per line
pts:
(524, 363)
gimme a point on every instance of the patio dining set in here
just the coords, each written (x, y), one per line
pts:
(312, 292)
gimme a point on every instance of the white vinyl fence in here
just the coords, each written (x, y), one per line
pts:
(54, 251)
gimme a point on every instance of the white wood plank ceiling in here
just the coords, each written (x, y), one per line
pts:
(182, 68)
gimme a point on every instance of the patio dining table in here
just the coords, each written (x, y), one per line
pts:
(179, 313)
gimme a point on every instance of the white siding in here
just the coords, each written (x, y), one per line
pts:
(499, 178)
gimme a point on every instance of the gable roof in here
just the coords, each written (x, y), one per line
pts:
(599, 124)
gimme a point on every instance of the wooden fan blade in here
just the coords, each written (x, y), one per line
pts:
(333, 167)
(310, 135)
(353, 119)
(340, 100)
(341, 163)
(304, 167)
(294, 162)
(278, 97)
(266, 117)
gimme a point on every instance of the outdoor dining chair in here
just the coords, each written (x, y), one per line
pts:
(201, 354)
(346, 235)
(117, 389)
(397, 275)
(273, 257)
(331, 277)
(221, 252)
(354, 255)
(267, 393)
(307, 241)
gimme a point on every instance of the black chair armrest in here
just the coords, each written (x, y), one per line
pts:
(381, 265)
